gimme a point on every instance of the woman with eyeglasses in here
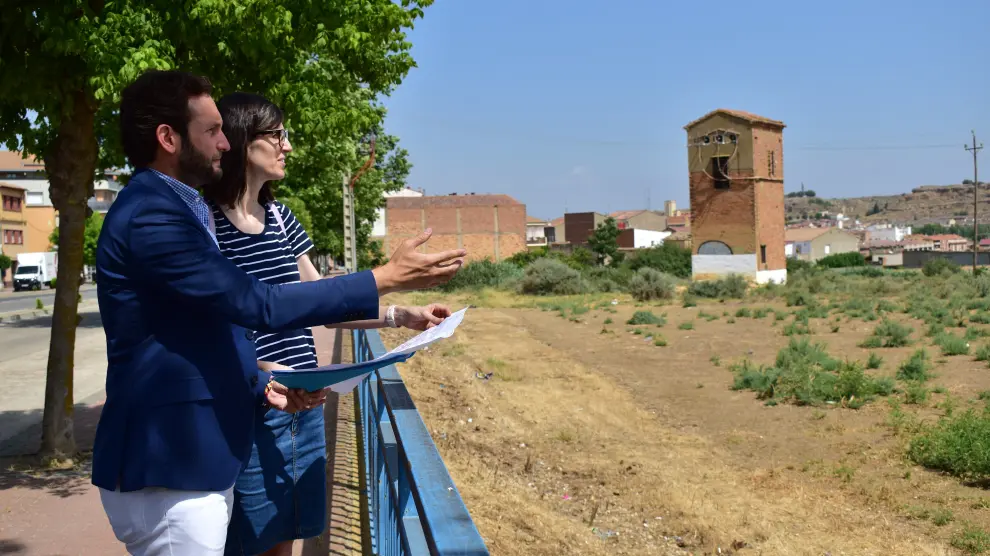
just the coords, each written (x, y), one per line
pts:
(280, 496)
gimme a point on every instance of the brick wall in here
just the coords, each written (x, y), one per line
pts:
(770, 223)
(487, 226)
(768, 140)
(726, 215)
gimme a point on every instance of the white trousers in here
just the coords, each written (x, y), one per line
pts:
(163, 522)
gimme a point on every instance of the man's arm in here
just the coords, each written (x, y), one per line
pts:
(416, 318)
(171, 252)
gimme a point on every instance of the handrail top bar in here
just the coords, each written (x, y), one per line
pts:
(446, 520)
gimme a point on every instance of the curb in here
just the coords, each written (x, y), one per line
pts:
(14, 316)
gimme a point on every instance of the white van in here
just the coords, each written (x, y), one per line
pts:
(35, 270)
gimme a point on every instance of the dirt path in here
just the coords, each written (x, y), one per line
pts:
(574, 424)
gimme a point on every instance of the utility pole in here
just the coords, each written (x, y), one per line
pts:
(350, 233)
(976, 188)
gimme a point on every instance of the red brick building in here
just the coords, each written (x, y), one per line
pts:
(736, 166)
(488, 226)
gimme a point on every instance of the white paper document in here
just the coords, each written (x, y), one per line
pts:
(343, 378)
(439, 332)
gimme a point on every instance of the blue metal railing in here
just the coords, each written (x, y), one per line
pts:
(412, 506)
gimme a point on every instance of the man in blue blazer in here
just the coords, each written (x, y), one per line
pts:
(183, 384)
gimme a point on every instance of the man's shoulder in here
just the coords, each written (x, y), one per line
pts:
(145, 191)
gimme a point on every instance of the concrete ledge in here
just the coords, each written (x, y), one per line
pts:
(14, 316)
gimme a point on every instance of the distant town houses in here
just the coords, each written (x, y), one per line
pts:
(27, 215)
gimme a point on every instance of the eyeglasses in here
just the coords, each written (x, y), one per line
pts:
(281, 134)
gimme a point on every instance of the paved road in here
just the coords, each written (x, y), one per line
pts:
(23, 364)
(11, 301)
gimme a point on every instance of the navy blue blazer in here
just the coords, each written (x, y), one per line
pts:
(183, 384)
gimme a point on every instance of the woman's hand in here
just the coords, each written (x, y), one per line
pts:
(421, 318)
(291, 400)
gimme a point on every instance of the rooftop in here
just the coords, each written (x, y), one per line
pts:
(946, 237)
(739, 114)
(796, 235)
(451, 201)
(12, 161)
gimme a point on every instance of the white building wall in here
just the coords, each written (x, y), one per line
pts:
(648, 238)
(720, 265)
(889, 233)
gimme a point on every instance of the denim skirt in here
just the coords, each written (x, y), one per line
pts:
(280, 495)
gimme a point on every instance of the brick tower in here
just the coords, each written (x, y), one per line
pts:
(736, 166)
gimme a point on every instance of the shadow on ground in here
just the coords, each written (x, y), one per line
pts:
(11, 547)
(19, 467)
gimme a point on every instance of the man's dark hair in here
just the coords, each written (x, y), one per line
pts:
(244, 115)
(156, 98)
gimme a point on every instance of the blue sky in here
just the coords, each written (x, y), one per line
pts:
(581, 104)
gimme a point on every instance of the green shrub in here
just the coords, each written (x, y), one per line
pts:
(874, 361)
(667, 258)
(707, 316)
(484, 274)
(805, 374)
(688, 325)
(762, 312)
(522, 259)
(744, 312)
(939, 266)
(952, 344)
(916, 367)
(867, 271)
(608, 279)
(842, 260)
(689, 299)
(957, 445)
(552, 277)
(795, 266)
(888, 334)
(799, 297)
(971, 540)
(983, 354)
(646, 317)
(982, 283)
(916, 393)
(649, 284)
(732, 286)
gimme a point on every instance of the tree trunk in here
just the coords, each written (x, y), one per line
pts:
(70, 164)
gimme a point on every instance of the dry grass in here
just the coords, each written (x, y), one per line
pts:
(559, 433)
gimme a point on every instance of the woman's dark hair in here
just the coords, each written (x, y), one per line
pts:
(244, 116)
(156, 98)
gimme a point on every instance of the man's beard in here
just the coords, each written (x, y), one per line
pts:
(195, 169)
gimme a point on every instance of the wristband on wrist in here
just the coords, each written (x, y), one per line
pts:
(390, 317)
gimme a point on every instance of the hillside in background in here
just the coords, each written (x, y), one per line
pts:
(923, 204)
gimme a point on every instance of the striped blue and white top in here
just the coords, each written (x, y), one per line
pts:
(271, 257)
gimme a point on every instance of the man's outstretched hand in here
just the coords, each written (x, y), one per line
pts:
(409, 269)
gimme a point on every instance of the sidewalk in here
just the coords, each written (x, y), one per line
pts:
(59, 512)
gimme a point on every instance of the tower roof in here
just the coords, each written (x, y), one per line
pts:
(739, 114)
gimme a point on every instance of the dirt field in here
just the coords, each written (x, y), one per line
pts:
(566, 435)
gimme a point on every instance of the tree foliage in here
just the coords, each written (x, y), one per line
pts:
(604, 241)
(324, 63)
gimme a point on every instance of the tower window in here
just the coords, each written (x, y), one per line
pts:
(720, 171)
(772, 163)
